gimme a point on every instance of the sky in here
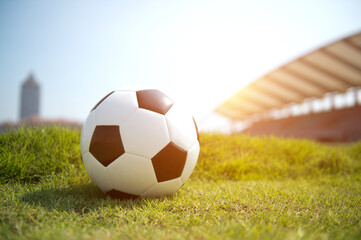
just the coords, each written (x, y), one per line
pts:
(198, 52)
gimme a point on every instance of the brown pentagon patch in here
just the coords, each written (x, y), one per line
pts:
(154, 100)
(106, 144)
(195, 124)
(169, 162)
(101, 101)
(121, 195)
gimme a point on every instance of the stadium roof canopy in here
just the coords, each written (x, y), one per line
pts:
(333, 68)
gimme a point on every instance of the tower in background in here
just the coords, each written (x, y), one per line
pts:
(30, 98)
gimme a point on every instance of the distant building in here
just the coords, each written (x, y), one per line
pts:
(30, 98)
(29, 110)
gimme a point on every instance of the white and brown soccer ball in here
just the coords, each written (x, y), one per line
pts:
(139, 144)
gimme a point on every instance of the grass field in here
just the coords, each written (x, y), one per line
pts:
(242, 188)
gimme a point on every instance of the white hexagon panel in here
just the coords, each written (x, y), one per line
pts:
(87, 132)
(181, 126)
(97, 172)
(115, 108)
(164, 188)
(144, 133)
(191, 161)
(132, 174)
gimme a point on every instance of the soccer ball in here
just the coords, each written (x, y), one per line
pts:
(139, 144)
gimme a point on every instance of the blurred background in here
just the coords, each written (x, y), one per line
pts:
(59, 58)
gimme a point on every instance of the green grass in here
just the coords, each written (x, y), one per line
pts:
(29, 154)
(243, 187)
(241, 157)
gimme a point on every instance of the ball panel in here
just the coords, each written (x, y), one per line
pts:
(137, 143)
(115, 109)
(195, 124)
(97, 172)
(96, 105)
(106, 144)
(191, 161)
(121, 195)
(154, 100)
(164, 188)
(169, 162)
(144, 133)
(181, 127)
(87, 133)
(132, 174)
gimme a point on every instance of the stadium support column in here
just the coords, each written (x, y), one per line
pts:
(309, 104)
(332, 96)
(357, 95)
